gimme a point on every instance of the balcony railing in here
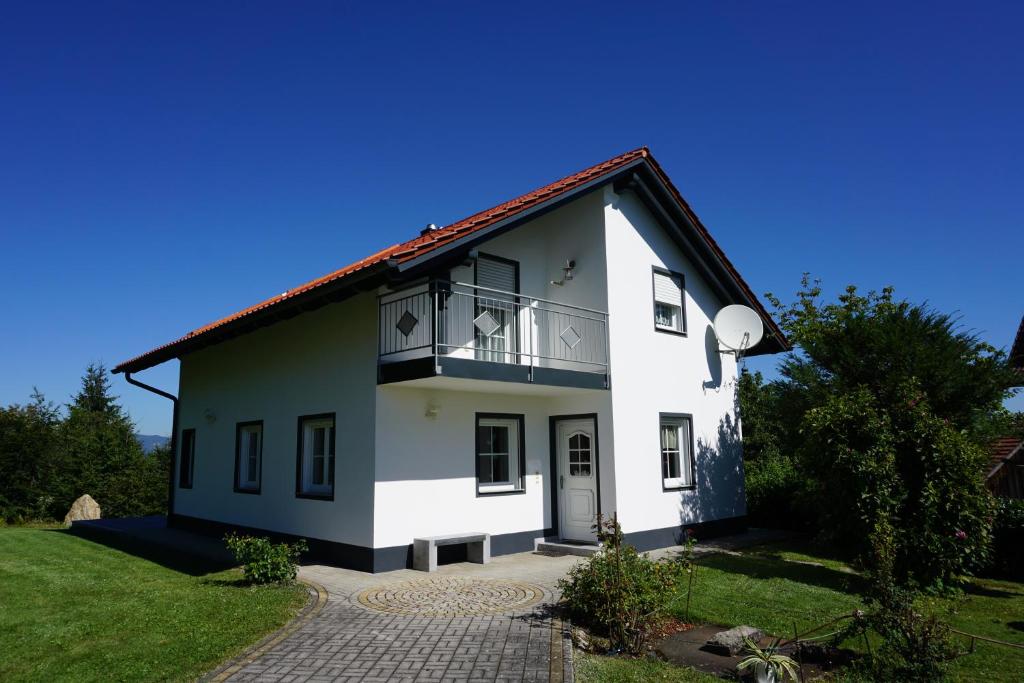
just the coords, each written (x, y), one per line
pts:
(457, 320)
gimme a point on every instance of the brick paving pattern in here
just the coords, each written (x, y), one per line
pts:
(365, 634)
(455, 625)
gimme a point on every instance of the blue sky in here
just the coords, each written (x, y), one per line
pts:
(164, 164)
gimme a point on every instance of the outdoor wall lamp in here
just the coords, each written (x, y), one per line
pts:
(568, 271)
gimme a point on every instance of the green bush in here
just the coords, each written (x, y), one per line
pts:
(904, 462)
(916, 647)
(1008, 539)
(774, 488)
(618, 592)
(265, 562)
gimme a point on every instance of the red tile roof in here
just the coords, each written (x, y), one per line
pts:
(430, 241)
(1002, 448)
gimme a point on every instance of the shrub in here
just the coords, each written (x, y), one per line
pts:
(618, 592)
(1008, 539)
(774, 487)
(904, 462)
(915, 647)
(265, 562)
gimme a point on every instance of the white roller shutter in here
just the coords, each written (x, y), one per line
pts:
(495, 275)
(668, 289)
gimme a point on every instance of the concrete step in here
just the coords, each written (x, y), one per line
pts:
(563, 548)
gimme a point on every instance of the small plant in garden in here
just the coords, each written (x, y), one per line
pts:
(915, 647)
(689, 565)
(265, 562)
(619, 592)
(769, 665)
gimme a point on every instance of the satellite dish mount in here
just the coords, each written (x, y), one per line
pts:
(738, 328)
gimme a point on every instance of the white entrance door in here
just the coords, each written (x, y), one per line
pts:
(577, 479)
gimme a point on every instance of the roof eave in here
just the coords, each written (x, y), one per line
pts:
(338, 290)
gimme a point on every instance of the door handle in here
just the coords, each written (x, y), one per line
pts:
(561, 481)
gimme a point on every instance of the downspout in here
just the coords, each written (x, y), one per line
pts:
(174, 437)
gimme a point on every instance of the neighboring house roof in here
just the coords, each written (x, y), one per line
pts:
(409, 258)
(1003, 450)
(1017, 350)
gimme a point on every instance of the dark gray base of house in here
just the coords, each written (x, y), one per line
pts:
(675, 535)
(376, 560)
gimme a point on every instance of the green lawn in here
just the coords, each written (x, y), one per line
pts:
(72, 609)
(772, 586)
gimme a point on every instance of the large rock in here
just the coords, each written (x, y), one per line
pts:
(731, 642)
(83, 508)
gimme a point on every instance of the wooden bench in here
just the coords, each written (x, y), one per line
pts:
(424, 550)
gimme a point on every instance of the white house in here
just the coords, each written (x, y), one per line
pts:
(514, 373)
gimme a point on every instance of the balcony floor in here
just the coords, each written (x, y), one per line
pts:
(467, 374)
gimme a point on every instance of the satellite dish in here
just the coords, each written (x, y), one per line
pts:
(738, 328)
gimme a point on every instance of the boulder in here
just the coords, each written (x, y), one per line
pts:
(83, 508)
(730, 642)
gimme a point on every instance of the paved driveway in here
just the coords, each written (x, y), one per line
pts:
(465, 622)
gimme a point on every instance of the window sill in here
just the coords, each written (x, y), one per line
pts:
(499, 491)
(315, 496)
(239, 489)
(670, 330)
(676, 485)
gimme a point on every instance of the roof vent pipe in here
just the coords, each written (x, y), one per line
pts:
(430, 228)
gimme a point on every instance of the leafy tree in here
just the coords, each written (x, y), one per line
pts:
(884, 408)
(29, 447)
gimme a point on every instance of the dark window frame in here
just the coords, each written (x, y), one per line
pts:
(682, 301)
(332, 467)
(515, 299)
(238, 458)
(677, 417)
(187, 466)
(520, 419)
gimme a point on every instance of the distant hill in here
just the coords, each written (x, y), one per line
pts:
(151, 441)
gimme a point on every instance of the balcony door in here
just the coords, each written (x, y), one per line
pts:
(495, 318)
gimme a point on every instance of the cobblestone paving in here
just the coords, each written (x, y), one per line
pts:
(449, 626)
(451, 596)
(375, 641)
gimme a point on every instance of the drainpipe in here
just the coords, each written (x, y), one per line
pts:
(174, 437)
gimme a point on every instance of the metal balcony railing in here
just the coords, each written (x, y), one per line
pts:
(458, 320)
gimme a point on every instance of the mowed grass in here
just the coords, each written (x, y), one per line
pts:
(778, 587)
(72, 609)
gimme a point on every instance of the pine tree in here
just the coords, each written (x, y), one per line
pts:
(103, 457)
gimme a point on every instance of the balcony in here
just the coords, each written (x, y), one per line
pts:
(453, 329)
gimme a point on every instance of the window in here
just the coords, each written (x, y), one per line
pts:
(494, 318)
(315, 476)
(676, 451)
(579, 455)
(187, 457)
(248, 456)
(669, 314)
(500, 457)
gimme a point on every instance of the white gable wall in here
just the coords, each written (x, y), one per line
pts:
(655, 372)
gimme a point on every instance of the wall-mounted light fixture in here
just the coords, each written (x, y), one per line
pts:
(568, 271)
(432, 411)
(210, 416)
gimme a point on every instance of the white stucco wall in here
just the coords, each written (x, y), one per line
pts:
(402, 474)
(426, 467)
(319, 362)
(654, 372)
